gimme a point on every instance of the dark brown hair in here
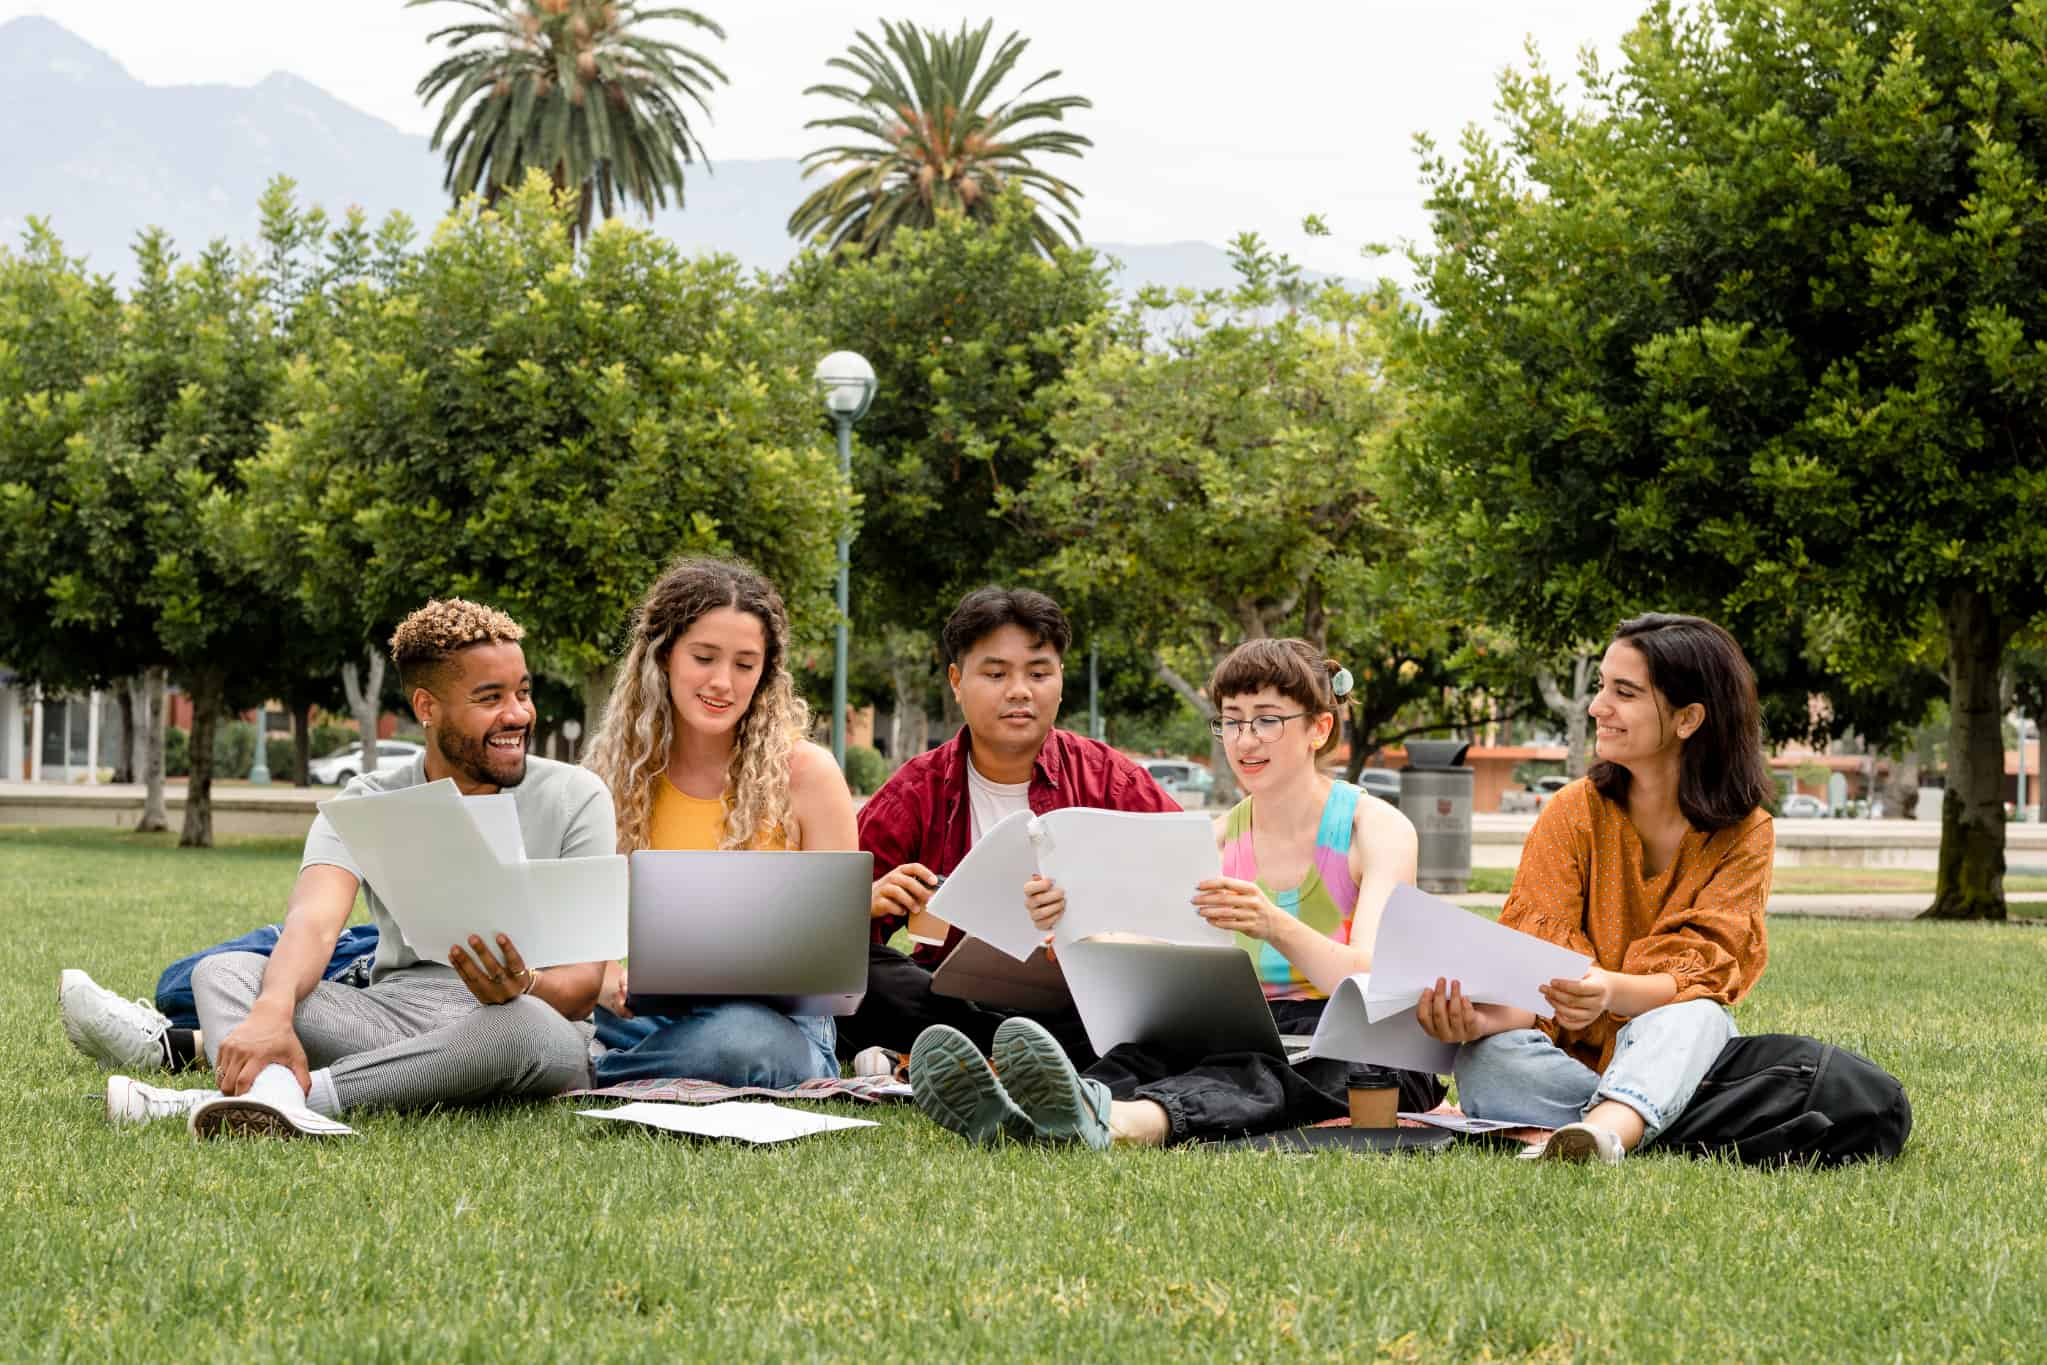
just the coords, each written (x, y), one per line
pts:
(427, 639)
(984, 611)
(1293, 668)
(1722, 775)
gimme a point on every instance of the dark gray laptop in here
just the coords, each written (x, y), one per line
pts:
(787, 929)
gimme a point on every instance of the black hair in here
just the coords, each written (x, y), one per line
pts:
(984, 611)
(1722, 775)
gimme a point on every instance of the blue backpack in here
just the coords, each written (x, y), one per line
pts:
(354, 951)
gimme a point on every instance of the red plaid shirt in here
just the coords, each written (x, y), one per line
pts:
(921, 814)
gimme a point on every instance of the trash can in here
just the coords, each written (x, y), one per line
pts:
(1435, 793)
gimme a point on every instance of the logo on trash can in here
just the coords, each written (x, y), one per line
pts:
(1443, 805)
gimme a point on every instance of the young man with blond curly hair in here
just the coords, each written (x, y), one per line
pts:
(293, 1052)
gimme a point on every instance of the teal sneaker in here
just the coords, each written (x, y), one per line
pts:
(1063, 1105)
(951, 1082)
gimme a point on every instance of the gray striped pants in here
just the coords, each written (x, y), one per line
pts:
(415, 1038)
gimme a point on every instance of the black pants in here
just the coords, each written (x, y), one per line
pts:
(1234, 1094)
(900, 1005)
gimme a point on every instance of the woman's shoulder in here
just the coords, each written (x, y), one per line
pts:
(810, 762)
(1381, 824)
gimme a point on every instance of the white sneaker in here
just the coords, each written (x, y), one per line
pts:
(128, 1034)
(130, 1101)
(1583, 1142)
(876, 1061)
(244, 1116)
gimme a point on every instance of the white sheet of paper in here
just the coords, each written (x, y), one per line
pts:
(1348, 1033)
(497, 816)
(426, 854)
(1126, 873)
(984, 894)
(746, 1120)
(1459, 1123)
(1422, 939)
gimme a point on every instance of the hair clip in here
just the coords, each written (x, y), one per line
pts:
(1340, 683)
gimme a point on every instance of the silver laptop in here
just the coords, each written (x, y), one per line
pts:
(787, 929)
(1197, 997)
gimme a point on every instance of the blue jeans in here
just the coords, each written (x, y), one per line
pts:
(1658, 1061)
(737, 1042)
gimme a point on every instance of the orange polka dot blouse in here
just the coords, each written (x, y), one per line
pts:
(1580, 885)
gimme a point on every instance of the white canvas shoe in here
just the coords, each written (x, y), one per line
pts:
(1584, 1142)
(128, 1034)
(245, 1116)
(130, 1101)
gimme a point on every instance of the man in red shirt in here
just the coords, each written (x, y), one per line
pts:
(1004, 649)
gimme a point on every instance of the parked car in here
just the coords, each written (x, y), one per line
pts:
(1530, 799)
(1799, 806)
(343, 764)
(1185, 781)
(1383, 783)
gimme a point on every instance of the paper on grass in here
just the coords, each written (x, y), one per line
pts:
(1347, 1032)
(745, 1120)
(426, 853)
(1126, 873)
(1422, 940)
(984, 894)
(1461, 1123)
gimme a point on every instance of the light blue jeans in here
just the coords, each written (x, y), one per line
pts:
(1658, 1061)
(735, 1042)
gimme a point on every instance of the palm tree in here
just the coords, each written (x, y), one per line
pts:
(933, 146)
(576, 88)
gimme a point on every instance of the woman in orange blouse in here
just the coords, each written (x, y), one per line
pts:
(1656, 866)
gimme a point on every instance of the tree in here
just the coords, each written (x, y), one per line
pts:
(933, 147)
(1753, 327)
(1253, 439)
(577, 89)
(966, 327)
(544, 425)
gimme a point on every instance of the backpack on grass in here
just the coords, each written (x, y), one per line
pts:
(1778, 1098)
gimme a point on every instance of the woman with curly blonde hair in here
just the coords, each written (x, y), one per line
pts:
(702, 747)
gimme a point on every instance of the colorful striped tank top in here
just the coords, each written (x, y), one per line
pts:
(1323, 901)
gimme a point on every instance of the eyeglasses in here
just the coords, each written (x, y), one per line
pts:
(1264, 728)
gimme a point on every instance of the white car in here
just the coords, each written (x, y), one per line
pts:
(1799, 806)
(1187, 782)
(343, 764)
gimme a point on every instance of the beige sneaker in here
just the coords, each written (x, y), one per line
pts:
(242, 1116)
(1583, 1142)
(130, 1101)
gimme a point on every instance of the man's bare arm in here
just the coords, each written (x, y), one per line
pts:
(321, 900)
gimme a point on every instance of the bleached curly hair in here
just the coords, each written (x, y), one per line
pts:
(441, 629)
(631, 749)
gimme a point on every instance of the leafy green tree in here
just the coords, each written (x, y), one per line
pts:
(1231, 465)
(544, 424)
(1753, 327)
(578, 89)
(933, 143)
(966, 326)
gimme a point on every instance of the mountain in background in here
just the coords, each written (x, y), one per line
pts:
(101, 156)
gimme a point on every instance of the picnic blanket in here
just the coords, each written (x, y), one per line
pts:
(871, 1089)
(1516, 1136)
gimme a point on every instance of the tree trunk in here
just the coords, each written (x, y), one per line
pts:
(1572, 710)
(1225, 791)
(301, 744)
(154, 814)
(208, 690)
(124, 762)
(596, 697)
(363, 701)
(909, 723)
(1970, 882)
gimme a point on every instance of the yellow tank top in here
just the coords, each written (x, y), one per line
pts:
(682, 821)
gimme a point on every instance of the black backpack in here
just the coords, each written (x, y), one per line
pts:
(1780, 1098)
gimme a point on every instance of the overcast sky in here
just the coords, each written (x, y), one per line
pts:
(1208, 118)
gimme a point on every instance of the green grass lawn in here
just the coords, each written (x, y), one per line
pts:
(526, 1233)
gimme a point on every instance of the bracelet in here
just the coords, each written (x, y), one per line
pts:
(532, 977)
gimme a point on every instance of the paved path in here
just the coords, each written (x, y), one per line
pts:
(1849, 905)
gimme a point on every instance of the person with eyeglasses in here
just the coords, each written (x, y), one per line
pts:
(1308, 862)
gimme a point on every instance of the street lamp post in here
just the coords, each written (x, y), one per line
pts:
(259, 769)
(846, 382)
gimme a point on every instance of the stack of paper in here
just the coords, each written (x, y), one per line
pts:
(447, 867)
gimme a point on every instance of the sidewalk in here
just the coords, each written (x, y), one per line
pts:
(1847, 905)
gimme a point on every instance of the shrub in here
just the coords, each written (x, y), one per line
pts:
(177, 752)
(234, 748)
(866, 769)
